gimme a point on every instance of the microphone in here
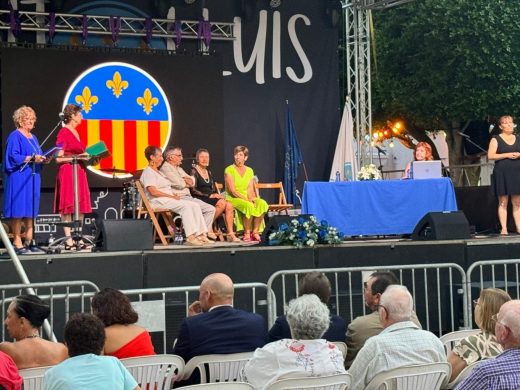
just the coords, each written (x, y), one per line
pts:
(462, 134)
(61, 115)
(380, 150)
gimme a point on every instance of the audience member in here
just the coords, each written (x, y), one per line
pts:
(307, 354)
(25, 315)
(401, 343)
(240, 192)
(158, 190)
(205, 190)
(124, 338)
(364, 327)
(85, 336)
(318, 284)
(213, 326)
(484, 344)
(181, 183)
(503, 372)
(10, 378)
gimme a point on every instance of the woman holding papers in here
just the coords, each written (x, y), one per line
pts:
(71, 144)
(505, 150)
(21, 187)
(422, 152)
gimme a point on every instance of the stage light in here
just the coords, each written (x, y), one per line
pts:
(275, 3)
(398, 125)
(375, 135)
(391, 144)
(380, 134)
(386, 133)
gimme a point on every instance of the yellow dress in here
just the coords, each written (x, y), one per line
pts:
(248, 209)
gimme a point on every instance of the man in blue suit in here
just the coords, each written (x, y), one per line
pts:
(213, 326)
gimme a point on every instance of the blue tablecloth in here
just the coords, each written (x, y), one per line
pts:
(377, 207)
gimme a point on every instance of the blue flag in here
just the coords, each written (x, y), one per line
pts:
(293, 158)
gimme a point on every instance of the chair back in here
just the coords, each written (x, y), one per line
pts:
(155, 372)
(282, 204)
(429, 376)
(222, 386)
(463, 375)
(145, 209)
(342, 348)
(33, 377)
(218, 368)
(450, 339)
(329, 382)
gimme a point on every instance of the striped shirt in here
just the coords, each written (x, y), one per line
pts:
(501, 373)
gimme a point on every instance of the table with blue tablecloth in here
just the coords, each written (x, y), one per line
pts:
(377, 207)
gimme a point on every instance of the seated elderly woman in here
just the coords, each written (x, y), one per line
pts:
(85, 368)
(305, 355)
(240, 192)
(124, 338)
(318, 284)
(25, 316)
(484, 344)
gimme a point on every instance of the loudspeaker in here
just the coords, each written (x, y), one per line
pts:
(273, 223)
(442, 226)
(124, 235)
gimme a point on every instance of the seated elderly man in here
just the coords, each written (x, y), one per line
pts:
(401, 343)
(502, 372)
(305, 355)
(312, 283)
(85, 337)
(181, 183)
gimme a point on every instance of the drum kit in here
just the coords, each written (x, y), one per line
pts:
(130, 198)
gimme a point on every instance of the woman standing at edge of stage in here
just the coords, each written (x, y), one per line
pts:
(504, 148)
(70, 143)
(21, 187)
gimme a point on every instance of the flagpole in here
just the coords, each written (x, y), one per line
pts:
(303, 163)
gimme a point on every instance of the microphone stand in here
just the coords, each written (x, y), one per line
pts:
(468, 138)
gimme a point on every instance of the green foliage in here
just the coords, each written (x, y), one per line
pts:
(446, 61)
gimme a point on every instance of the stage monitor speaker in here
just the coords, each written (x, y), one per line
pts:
(442, 226)
(273, 223)
(124, 235)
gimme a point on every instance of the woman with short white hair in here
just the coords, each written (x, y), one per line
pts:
(305, 355)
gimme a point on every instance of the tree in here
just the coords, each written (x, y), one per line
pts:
(442, 63)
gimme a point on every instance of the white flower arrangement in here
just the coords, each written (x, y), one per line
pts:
(300, 232)
(369, 172)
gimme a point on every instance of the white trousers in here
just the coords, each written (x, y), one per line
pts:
(208, 211)
(190, 212)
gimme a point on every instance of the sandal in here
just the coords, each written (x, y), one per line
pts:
(255, 237)
(247, 237)
(232, 238)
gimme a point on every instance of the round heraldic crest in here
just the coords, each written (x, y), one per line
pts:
(126, 108)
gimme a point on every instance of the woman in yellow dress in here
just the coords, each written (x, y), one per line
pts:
(240, 192)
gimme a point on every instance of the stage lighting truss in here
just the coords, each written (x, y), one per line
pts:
(373, 4)
(99, 25)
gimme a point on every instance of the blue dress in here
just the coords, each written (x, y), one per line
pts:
(21, 197)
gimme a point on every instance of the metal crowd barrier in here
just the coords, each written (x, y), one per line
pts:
(502, 274)
(438, 290)
(63, 297)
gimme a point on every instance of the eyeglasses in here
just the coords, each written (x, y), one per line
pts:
(475, 303)
(494, 317)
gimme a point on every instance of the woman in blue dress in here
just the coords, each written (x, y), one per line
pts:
(21, 187)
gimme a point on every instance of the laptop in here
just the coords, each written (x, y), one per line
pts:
(426, 169)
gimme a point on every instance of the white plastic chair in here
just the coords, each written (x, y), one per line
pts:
(450, 339)
(217, 368)
(156, 371)
(342, 348)
(222, 386)
(329, 382)
(33, 377)
(422, 376)
(463, 375)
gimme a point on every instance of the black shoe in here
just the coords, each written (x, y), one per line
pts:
(22, 251)
(34, 249)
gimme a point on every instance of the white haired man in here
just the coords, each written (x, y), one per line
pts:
(502, 372)
(306, 354)
(401, 343)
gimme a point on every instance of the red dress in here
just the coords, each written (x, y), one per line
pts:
(64, 194)
(140, 345)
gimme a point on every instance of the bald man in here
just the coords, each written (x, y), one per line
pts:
(502, 372)
(213, 326)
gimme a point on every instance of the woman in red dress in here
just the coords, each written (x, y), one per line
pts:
(68, 139)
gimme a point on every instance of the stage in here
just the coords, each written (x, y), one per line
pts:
(175, 266)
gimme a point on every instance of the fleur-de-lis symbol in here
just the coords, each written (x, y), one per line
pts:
(86, 99)
(117, 84)
(147, 101)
